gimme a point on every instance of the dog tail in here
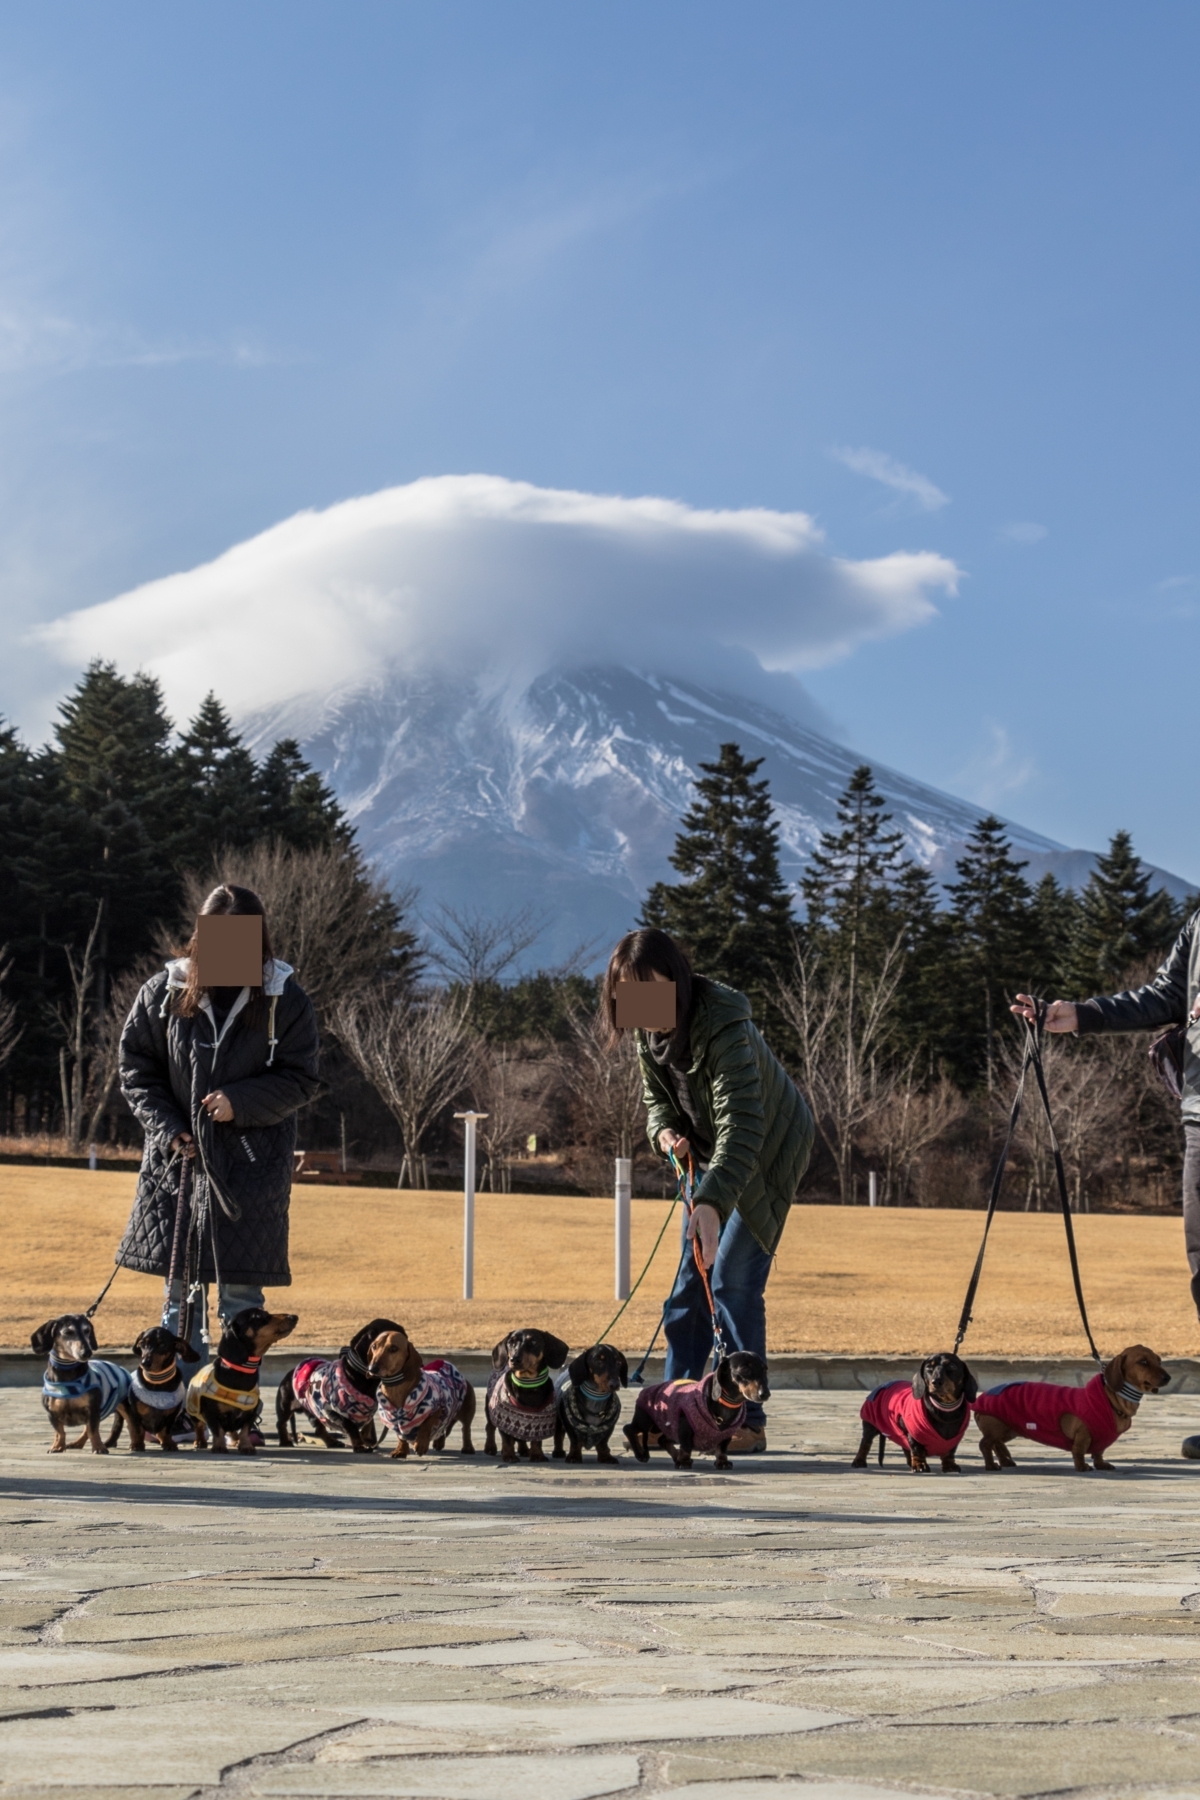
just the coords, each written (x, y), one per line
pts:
(882, 1448)
(283, 1413)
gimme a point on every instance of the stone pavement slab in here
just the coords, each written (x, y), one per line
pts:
(314, 1623)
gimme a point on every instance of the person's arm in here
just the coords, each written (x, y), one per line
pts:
(662, 1106)
(289, 1083)
(739, 1121)
(145, 1072)
(1162, 1001)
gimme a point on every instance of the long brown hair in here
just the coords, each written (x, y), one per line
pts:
(225, 899)
(638, 957)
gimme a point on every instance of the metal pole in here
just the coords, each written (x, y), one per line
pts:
(872, 1189)
(624, 1191)
(469, 1201)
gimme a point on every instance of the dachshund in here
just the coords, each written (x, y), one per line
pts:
(698, 1415)
(335, 1395)
(419, 1401)
(1082, 1420)
(224, 1396)
(929, 1414)
(521, 1402)
(589, 1403)
(77, 1388)
(158, 1393)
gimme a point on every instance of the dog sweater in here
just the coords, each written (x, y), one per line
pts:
(322, 1389)
(591, 1418)
(1033, 1408)
(161, 1399)
(529, 1425)
(669, 1401)
(894, 1409)
(108, 1379)
(438, 1394)
(205, 1386)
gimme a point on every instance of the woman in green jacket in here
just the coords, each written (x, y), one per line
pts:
(713, 1087)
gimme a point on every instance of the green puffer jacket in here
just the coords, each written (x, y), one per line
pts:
(757, 1120)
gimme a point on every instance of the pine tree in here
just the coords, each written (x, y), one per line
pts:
(1120, 921)
(992, 921)
(295, 804)
(1055, 920)
(218, 788)
(732, 910)
(848, 886)
(112, 790)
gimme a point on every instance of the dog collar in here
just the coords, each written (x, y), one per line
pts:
(161, 1377)
(527, 1381)
(250, 1368)
(722, 1401)
(1128, 1392)
(585, 1387)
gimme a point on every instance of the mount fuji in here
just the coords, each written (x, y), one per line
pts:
(566, 793)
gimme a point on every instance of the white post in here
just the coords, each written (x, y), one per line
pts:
(91, 1156)
(872, 1189)
(469, 1201)
(624, 1191)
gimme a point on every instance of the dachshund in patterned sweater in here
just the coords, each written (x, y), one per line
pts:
(419, 1401)
(521, 1402)
(336, 1395)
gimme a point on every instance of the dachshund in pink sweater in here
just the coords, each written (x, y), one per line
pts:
(1082, 1420)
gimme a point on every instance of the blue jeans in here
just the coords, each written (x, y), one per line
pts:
(231, 1300)
(738, 1278)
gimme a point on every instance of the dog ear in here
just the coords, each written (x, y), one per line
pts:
(919, 1386)
(500, 1354)
(139, 1343)
(1114, 1374)
(724, 1377)
(579, 1370)
(623, 1367)
(184, 1349)
(970, 1386)
(43, 1338)
(555, 1350)
(91, 1333)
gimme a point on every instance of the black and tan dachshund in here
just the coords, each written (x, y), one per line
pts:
(224, 1396)
(927, 1416)
(157, 1400)
(521, 1402)
(589, 1403)
(703, 1415)
(78, 1388)
(335, 1395)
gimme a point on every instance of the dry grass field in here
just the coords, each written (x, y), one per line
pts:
(847, 1281)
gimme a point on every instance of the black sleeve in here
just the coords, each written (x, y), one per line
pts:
(145, 1067)
(1162, 1001)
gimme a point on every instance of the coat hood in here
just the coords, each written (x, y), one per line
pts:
(716, 1007)
(275, 974)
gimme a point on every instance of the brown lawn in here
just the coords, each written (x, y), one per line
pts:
(848, 1281)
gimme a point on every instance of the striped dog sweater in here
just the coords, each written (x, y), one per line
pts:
(108, 1379)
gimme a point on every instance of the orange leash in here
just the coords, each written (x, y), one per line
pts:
(687, 1184)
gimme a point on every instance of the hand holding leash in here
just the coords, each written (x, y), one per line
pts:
(1057, 1016)
(704, 1224)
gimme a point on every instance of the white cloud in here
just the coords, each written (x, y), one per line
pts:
(478, 574)
(1175, 581)
(896, 475)
(996, 771)
(1024, 531)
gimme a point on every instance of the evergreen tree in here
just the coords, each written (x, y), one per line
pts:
(218, 788)
(294, 803)
(1120, 921)
(113, 788)
(732, 909)
(849, 885)
(1055, 919)
(992, 919)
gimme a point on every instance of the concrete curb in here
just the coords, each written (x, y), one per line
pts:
(853, 1374)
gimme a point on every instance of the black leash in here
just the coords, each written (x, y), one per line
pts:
(117, 1267)
(1032, 1059)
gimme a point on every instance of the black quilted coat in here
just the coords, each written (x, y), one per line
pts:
(167, 1065)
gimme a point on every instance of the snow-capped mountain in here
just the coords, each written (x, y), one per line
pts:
(567, 794)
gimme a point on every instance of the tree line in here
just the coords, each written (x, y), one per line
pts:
(885, 995)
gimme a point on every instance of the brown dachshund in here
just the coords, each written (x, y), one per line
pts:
(419, 1401)
(1083, 1420)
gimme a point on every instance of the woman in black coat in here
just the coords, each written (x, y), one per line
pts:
(230, 1067)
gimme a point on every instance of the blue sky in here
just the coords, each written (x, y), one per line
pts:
(927, 272)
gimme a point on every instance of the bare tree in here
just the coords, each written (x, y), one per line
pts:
(413, 1051)
(75, 1053)
(10, 1030)
(1084, 1083)
(471, 946)
(105, 1063)
(604, 1090)
(908, 1121)
(511, 1084)
(842, 1052)
(325, 918)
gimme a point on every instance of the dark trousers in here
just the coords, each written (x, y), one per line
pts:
(1191, 1202)
(738, 1278)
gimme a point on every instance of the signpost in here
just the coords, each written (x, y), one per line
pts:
(624, 1191)
(469, 1201)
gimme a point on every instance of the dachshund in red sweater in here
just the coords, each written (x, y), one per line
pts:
(1083, 1420)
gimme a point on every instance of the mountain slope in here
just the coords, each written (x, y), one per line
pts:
(568, 794)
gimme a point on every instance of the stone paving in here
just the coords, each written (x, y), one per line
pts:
(312, 1623)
